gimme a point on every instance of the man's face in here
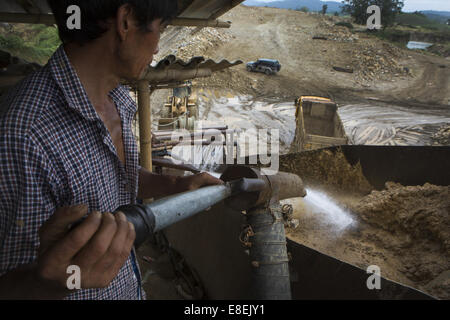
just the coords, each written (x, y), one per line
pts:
(137, 51)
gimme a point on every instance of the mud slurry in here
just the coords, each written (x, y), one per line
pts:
(405, 230)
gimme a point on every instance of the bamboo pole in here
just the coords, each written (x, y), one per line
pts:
(145, 125)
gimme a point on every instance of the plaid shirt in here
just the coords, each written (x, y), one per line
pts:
(55, 151)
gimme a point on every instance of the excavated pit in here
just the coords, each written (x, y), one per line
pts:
(403, 229)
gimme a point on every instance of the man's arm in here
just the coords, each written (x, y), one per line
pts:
(156, 185)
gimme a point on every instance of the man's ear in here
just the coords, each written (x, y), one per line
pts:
(124, 21)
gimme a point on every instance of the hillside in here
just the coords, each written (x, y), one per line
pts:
(420, 19)
(34, 43)
(379, 68)
(440, 16)
(312, 5)
(316, 5)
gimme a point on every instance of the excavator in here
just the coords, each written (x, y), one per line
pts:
(180, 111)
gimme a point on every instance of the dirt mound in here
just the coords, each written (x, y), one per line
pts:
(440, 49)
(335, 32)
(421, 211)
(415, 224)
(327, 168)
(188, 42)
(375, 62)
(203, 41)
(403, 230)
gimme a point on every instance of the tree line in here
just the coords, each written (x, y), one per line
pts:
(357, 9)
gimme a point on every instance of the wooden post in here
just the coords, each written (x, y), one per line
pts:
(145, 124)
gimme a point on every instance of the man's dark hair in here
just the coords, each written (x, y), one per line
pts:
(95, 12)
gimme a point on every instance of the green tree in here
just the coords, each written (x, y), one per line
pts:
(303, 9)
(358, 10)
(324, 9)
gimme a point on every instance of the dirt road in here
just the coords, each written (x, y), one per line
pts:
(380, 69)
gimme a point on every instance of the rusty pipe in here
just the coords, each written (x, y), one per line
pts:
(267, 245)
(278, 187)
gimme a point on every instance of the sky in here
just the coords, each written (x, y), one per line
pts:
(413, 5)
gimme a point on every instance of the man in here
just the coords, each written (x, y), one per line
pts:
(67, 151)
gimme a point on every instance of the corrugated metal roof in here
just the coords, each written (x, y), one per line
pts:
(171, 62)
(168, 70)
(171, 69)
(191, 9)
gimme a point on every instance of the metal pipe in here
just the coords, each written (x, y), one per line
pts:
(267, 246)
(165, 132)
(168, 163)
(191, 143)
(268, 254)
(193, 135)
(277, 187)
(184, 205)
(155, 216)
(246, 189)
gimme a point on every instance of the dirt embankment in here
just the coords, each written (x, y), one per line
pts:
(422, 211)
(326, 168)
(416, 221)
(379, 68)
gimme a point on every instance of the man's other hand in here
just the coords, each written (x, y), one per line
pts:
(99, 246)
